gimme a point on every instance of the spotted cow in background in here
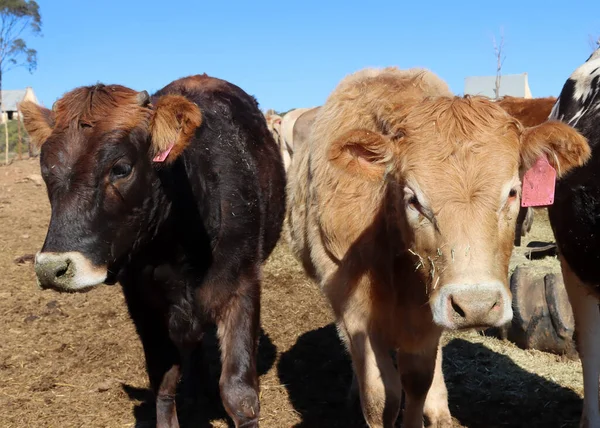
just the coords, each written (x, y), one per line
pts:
(574, 219)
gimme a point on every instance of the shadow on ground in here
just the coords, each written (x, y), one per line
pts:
(486, 389)
(198, 400)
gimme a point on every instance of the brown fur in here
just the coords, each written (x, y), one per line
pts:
(528, 111)
(172, 120)
(382, 259)
(561, 144)
(38, 122)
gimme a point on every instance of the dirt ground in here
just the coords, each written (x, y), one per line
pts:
(75, 361)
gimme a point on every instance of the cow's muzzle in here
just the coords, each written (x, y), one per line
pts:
(70, 271)
(458, 306)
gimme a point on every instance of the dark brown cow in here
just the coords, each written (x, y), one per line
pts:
(180, 197)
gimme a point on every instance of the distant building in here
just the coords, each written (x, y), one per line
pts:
(515, 85)
(11, 98)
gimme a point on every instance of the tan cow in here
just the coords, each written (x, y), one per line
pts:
(303, 125)
(274, 125)
(402, 206)
(287, 133)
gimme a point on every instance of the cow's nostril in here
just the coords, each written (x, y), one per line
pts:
(457, 308)
(62, 269)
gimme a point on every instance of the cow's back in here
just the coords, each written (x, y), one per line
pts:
(233, 164)
(528, 111)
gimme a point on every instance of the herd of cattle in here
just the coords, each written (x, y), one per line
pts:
(400, 199)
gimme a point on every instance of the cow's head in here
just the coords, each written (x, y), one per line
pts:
(453, 169)
(97, 149)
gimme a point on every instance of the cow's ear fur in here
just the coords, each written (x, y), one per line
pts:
(38, 121)
(563, 146)
(174, 123)
(361, 152)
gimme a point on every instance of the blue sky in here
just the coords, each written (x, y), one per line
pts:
(292, 53)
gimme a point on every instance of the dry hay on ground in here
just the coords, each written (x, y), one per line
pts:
(74, 360)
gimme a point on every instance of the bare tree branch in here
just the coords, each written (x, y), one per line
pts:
(500, 57)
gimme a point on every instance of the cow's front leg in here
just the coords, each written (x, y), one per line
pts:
(378, 382)
(162, 357)
(436, 411)
(417, 372)
(237, 329)
(166, 411)
(587, 332)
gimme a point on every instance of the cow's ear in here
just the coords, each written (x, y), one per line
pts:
(38, 121)
(361, 152)
(173, 126)
(563, 146)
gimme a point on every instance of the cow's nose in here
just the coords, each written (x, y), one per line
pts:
(472, 308)
(460, 306)
(53, 270)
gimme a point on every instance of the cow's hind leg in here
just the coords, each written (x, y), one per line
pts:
(237, 328)
(587, 328)
(417, 373)
(378, 381)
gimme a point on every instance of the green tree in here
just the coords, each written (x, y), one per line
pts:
(17, 18)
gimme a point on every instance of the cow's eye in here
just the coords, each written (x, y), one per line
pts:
(120, 170)
(414, 202)
(512, 194)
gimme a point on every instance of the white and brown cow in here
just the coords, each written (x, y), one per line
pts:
(403, 207)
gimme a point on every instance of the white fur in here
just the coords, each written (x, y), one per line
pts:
(583, 89)
(439, 306)
(85, 274)
(587, 324)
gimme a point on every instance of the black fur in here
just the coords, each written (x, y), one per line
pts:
(575, 214)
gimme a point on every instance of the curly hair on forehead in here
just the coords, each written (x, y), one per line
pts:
(89, 105)
(461, 122)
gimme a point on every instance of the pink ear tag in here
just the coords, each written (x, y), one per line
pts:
(538, 184)
(161, 156)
